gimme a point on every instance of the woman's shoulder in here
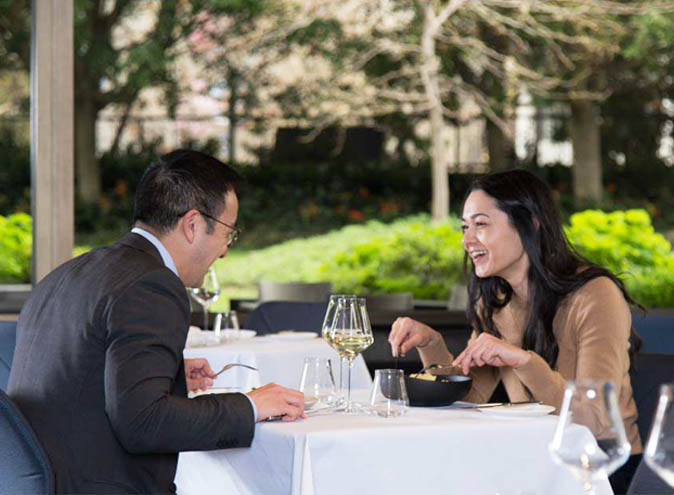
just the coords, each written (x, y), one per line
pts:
(598, 293)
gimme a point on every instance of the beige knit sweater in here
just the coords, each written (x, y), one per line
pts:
(592, 328)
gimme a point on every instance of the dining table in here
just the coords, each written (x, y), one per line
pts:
(278, 358)
(450, 450)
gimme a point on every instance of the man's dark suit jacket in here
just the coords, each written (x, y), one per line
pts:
(98, 370)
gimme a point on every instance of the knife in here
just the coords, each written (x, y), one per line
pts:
(506, 404)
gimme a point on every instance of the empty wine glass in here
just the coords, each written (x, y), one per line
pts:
(317, 383)
(659, 453)
(592, 404)
(207, 293)
(350, 335)
(389, 395)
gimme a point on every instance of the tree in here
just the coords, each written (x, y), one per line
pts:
(121, 48)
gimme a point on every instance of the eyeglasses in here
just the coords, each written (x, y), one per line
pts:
(233, 234)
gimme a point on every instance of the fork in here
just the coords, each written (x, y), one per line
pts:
(231, 365)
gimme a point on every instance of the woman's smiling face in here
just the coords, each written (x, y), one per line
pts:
(491, 241)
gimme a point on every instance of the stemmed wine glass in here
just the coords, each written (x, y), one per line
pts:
(325, 333)
(350, 334)
(207, 293)
(592, 404)
(659, 453)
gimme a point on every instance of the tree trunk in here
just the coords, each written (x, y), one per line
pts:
(500, 148)
(429, 76)
(86, 166)
(587, 181)
(231, 113)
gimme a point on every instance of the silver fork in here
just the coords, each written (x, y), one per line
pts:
(231, 365)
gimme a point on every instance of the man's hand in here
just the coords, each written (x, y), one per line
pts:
(275, 400)
(198, 374)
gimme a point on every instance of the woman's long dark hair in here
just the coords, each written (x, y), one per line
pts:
(555, 270)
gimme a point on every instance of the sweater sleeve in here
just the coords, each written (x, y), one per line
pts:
(599, 321)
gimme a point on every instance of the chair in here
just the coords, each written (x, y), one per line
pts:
(399, 301)
(273, 316)
(294, 291)
(24, 466)
(7, 343)
(651, 371)
(656, 330)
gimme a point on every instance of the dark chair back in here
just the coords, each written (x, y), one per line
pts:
(646, 482)
(273, 316)
(651, 371)
(7, 343)
(656, 329)
(24, 466)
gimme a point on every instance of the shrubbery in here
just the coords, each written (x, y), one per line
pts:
(425, 258)
(626, 243)
(16, 240)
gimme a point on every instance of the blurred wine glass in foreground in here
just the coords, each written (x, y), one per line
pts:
(592, 404)
(207, 293)
(659, 453)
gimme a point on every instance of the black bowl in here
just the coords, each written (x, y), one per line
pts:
(442, 392)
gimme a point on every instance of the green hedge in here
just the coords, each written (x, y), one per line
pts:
(626, 243)
(425, 258)
(16, 241)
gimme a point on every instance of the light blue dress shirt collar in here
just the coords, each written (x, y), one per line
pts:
(165, 256)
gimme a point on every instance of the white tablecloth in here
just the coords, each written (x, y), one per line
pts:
(278, 361)
(428, 451)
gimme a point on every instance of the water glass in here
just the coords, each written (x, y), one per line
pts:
(229, 322)
(388, 398)
(659, 452)
(318, 382)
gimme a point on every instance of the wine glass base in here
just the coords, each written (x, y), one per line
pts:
(353, 408)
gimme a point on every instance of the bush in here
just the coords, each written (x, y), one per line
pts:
(412, 256)
(16, 240)
(425, 258)
(626, 243)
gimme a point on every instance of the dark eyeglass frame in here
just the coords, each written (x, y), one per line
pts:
(233, 234)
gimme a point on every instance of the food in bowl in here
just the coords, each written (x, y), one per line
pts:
(426, 390)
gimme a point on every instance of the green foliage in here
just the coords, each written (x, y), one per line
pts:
(15, 248)
(626, 243)
(425, 258)
(414, 255)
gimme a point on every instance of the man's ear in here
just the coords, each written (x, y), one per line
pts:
(188, 225)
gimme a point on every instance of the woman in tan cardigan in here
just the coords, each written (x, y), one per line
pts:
(541, 314)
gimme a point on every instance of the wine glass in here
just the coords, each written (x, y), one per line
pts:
(207, 293)
(592, 404)
(350, 335)
(659, 453)
(325, 333)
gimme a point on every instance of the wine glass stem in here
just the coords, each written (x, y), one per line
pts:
(349, 407)
(205, 306)
(589, 488)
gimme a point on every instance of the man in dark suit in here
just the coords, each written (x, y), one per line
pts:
(98, 367)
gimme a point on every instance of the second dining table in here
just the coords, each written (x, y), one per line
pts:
(279, 358)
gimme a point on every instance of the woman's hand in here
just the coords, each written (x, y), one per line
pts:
(407, 333)
(489, 350)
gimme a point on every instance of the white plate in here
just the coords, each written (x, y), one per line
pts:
(518, 411)
(230, 334)
(292, 335)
